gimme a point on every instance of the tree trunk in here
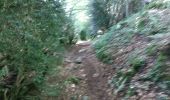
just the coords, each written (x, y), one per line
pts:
(127, 8)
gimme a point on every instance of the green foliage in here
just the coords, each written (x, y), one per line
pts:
(121, 78)
(109, 12)
(110, 42)
(103, 56)
(151, 50)
(83, 35)
(100, 15)
(145, 23)
(137, 64)
(102, 52)
(73, 80)
(30, 33)
(158, 4)
(130, 92)
(141, 22)
(157, 72)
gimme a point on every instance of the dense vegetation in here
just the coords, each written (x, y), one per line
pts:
(32, 36)
(105, 13)
(135, 47)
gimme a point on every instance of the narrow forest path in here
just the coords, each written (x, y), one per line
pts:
(81, 62)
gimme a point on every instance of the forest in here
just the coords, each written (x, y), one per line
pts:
(84, 49)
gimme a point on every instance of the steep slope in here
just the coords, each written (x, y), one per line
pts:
(138, 48)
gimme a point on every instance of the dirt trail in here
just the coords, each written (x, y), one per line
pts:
(82, 63)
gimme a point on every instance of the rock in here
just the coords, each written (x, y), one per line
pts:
(82, 70)
(79, 60)
(83, 43)
(83, 75)
(96, 75)
(67, 60)
(73, 85)
(82, 50)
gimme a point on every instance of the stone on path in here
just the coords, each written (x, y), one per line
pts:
(82, 50)
(79, 60)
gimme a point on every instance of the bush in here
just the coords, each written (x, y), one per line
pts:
(83, 35)
(158, 4)
(104, 56)
(151, 50)
(137, 64)
(121, 78)
(157, 72)
(30, 46)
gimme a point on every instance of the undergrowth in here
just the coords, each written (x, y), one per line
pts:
(123, 77)
(158, 4)
(146, 23)
(156, 73)
(32, 43)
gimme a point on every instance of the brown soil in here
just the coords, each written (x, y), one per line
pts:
(93, 74)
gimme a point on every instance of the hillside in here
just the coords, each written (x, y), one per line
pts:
(139, 50)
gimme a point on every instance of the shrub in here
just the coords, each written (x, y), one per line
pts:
(137, 64)
(157, 72)
(158, 4)
(122, 78)
(104, 56)
(29, 39)
(151, 50)
(73, 80)
(83, 35)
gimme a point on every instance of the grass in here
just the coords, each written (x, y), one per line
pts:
(156, 73)
(144, 23)
(137, 64)
(121, 78)
(119, 35)
(151, 50)
(103, 55)
(73, 80)
(158, 4)
(83, 35)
